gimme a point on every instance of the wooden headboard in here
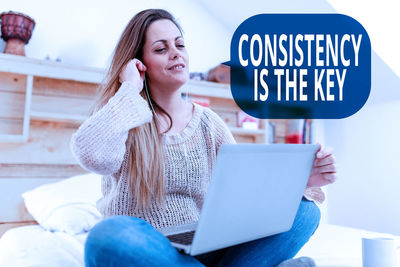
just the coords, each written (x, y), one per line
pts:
(60, 100)
(45, 158)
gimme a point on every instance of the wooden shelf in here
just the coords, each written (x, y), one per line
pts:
(238, 130)
(50, 69)
(57, 117)
(208, 89)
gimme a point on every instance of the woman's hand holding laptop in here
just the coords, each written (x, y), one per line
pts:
(323, 171)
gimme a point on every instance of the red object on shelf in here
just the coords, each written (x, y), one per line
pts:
(294, 132)
(294, 139)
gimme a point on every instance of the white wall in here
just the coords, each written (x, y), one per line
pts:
(367, 146)
(85, 32)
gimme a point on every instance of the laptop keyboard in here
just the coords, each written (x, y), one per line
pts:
(185, 238)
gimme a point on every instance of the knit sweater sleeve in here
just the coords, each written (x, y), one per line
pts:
(99, 143)
(314, 194)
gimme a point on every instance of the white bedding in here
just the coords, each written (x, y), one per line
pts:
(33, 246)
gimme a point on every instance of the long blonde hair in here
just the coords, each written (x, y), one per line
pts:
(144, 146)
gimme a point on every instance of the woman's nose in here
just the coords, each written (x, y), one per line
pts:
(174, 53)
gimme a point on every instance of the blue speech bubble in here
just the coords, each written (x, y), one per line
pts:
(290, 66)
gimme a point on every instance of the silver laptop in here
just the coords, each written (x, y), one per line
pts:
(254, 192)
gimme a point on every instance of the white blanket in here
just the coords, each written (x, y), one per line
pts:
(33, 246)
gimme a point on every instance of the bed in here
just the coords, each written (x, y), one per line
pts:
(70, 212)
(47, 201)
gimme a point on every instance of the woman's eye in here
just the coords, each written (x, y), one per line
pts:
(181, 45)
(159, 50)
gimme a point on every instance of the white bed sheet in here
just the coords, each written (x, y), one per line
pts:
(31, 246)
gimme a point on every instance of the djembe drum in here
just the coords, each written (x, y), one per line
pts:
(16, 30)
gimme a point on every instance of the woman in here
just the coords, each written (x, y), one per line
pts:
(156, 153)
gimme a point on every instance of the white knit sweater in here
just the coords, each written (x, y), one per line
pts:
(99, 146)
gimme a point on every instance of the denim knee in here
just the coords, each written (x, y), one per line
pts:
(111, 237)
(308, 216)
(123, 241)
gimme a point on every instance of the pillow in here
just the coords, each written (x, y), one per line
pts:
(68, 206)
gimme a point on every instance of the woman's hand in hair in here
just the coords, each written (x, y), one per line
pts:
(133, 72)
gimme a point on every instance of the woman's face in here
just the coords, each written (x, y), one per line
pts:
(165, 56)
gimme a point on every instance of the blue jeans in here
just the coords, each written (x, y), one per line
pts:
(129, 241)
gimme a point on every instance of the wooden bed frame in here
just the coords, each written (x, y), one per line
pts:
(60, 99)
(40, 125)
(45, 158)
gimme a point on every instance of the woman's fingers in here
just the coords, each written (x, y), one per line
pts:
(140, 66)
(324, 152)
(133, 72)
(326, 168)
(325, 161)
(331, 177)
